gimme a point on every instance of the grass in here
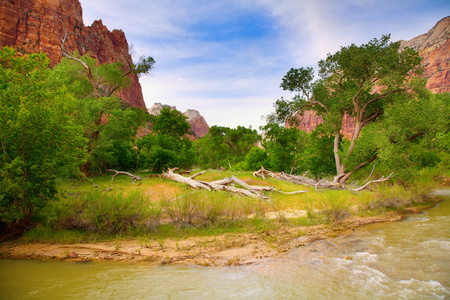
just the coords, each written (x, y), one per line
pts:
(157, 208)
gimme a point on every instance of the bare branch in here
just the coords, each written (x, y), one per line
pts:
(374, 181)
(132, 176)
(197, 174)
(319, 103)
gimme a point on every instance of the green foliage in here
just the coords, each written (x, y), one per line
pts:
(317, 158)
(256, 158)
(167, 146)
(284, 146)
(359, 82)
(115, 144)
(39, 137)
(109, 124)
(412, 135)
(144, 66)
(170, 122)
(224, 146)
(109, 213)
(85, 78)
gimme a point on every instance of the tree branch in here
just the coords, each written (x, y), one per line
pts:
(380, 97)
(135, 177)
(374, 181)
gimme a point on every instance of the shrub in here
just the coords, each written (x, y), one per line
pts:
(109, 213)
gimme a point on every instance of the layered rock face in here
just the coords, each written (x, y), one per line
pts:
(198, 123)
(199, 127)
(38, 25)
(433, 47)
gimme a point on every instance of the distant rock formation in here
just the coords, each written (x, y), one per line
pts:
(433, 47)
(198, 122)
(199, 127)
(157, 107)
(32, 26)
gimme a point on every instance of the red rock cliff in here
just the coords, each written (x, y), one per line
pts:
(433, 47)
(35, 26)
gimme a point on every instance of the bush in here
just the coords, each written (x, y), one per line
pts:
(256, 158)
(110, 213)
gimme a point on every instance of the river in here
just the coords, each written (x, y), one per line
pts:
(409, 259)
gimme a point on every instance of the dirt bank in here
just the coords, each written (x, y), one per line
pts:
(227, 249)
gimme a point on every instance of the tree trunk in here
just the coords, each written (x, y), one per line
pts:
(340, 169)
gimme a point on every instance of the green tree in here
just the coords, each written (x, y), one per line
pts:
(223, 146)
(411, 136)
(39, 138)
(94, 85)
(256, 158)
(170, 122)
(317, 157)
(284, 146)
(116, 142)
(358, 81)
(168, 145)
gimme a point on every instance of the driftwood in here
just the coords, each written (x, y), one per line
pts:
(311, 182)
(262, 173)
(186, 180)
(220, 185)
(132, 176)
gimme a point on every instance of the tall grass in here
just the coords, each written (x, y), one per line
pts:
(335, 205)
(202, 208)
(108, 214)
(145, 210)
(104, 213)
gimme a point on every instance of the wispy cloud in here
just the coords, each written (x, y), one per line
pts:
(226, 58)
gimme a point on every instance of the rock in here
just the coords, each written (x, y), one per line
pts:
(198, 123)
(309, 121)
(32, 26)
(434, 48)
(157, 107)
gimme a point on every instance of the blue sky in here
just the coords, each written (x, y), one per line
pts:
(226, 58)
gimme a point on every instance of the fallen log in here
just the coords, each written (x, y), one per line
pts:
(186, 180)
(262, 173)
(220, 185)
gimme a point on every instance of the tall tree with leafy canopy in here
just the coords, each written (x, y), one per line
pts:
(357, 81)
(94, 85)
(168, 145)
(39, 138)
(414, 136)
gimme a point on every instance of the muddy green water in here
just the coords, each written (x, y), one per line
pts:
(403, 260)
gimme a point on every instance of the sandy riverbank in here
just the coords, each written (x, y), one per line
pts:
(227, 249)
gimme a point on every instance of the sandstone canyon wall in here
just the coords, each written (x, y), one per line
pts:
(36, 25)
(433, 47)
